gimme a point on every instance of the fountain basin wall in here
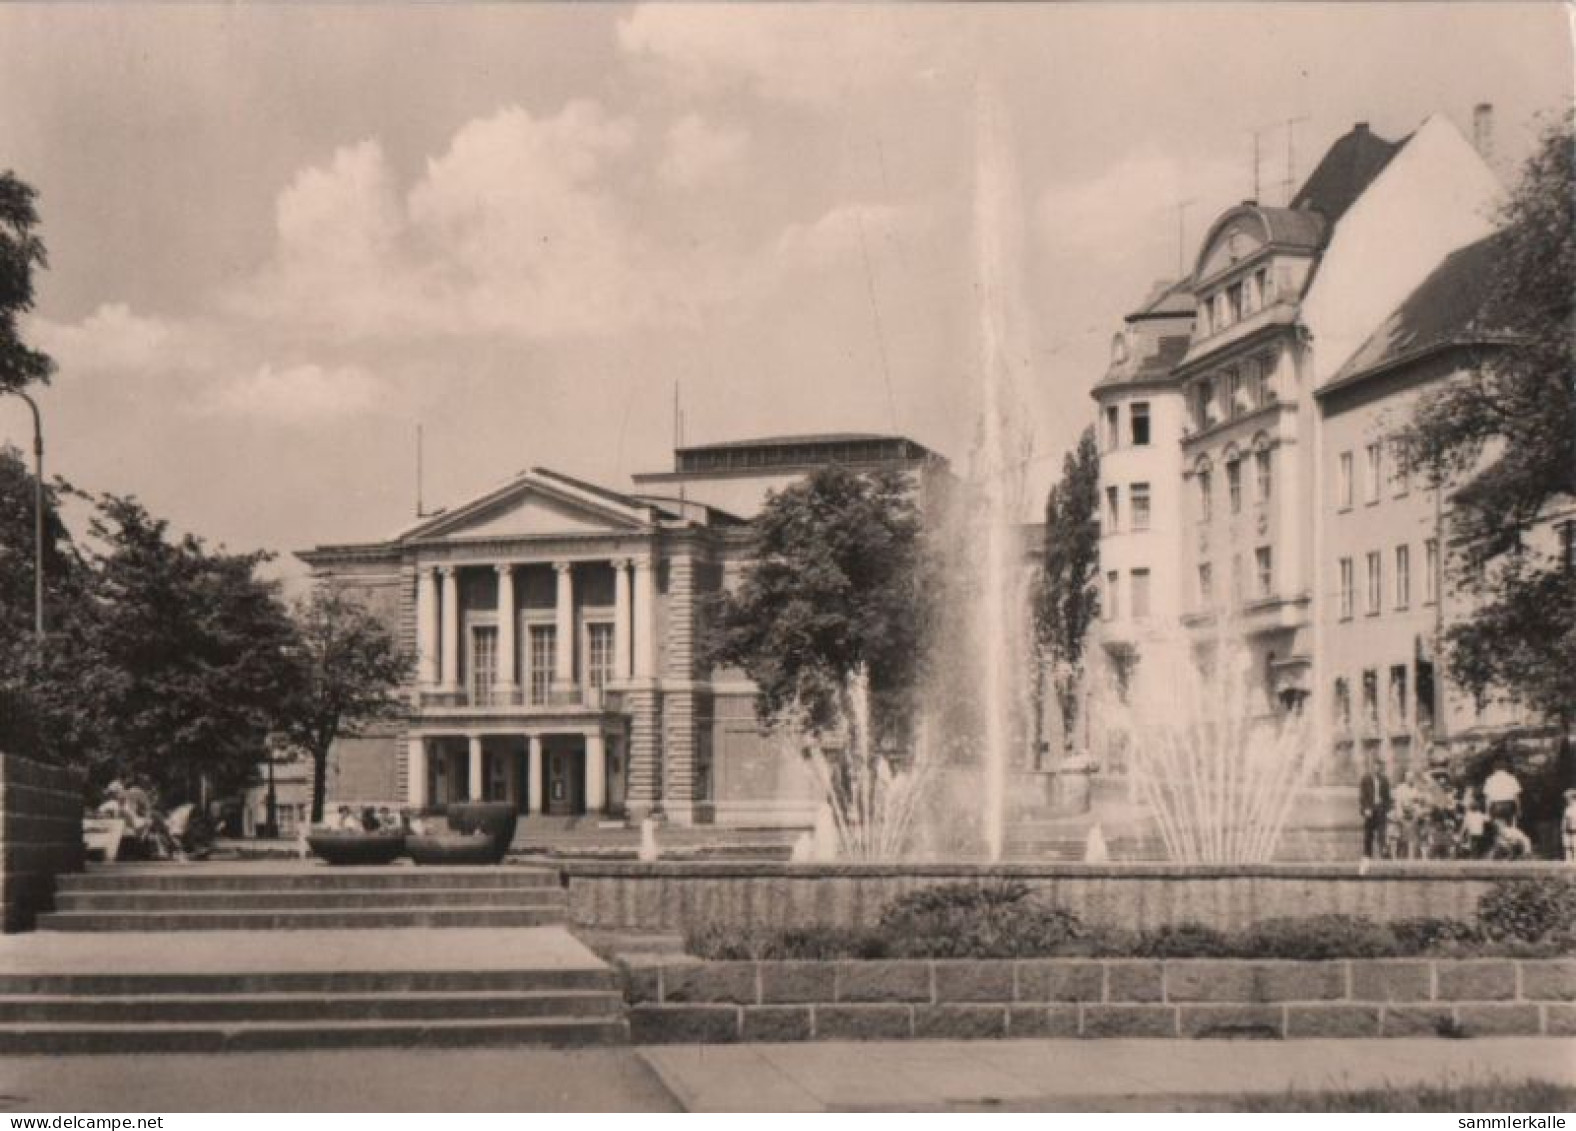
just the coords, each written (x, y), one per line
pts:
(718, 1002)
(677, 896)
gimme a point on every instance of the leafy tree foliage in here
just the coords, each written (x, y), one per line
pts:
(348, 670)
(836, 584)
(21, 252)
(1503, 442)
(1068, 599)
(172, 664)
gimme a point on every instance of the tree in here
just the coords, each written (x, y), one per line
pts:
(173, 664)
(1502, 442)
(348, 670)
(1068, 599)
(835, 587)
(21, 252)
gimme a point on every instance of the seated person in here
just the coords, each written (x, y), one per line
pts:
(1510, 843)
(345, 821)
(390, 821)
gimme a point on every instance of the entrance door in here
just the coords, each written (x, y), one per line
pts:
(565, 782)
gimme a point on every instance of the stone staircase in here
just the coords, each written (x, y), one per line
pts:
(197, 898)
(235, 957)
(144, 1013)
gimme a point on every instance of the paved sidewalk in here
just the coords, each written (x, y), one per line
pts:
(1048, 1074)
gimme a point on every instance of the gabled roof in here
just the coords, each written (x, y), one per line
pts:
(1445, 310)
(1172, 348)
(592, 503)
(1166, 300)
(1347, 168)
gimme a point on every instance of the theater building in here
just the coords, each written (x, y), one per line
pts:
(558, 628)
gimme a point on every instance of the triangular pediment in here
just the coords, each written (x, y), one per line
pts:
(533, 506)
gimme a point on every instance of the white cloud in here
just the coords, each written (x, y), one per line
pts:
(698, 151)
(808, 54)
(297, 394)
(515, 230)
(113, 339)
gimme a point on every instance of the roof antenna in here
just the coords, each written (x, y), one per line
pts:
(421, 511)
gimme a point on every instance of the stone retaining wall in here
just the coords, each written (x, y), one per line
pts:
(40, 836)
(620, 895)
(721, 1002)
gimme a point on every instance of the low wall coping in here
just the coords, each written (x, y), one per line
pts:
(1443, 871)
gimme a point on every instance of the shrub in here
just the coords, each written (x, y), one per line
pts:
(976, 921)
(1317, 936)
(1542, 909)
(1418, 936)
(724, 943)
(1186, 940)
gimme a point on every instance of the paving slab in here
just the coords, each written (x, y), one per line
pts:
(301, 951)
(516, 1079)
(944, 1075)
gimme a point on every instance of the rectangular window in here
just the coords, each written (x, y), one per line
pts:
(1138, 423)
(1261, 463)
(1375, 582)
(544, 648)
(1113, 508)
(1206, 586)
(1140, 593)
(484, 663)
(1397, 700)
(1344, 481)
(1113, 432)
(1206, 403)
(1343, 704)
(1233, 302)
(1234, 485)
(1205, 502)
(1113, 594)
(1431, 571)
(1222, 310)
(1236, 402)
(1400, 471)
(1264, 568)
(599, 655)
(1348, 588)
(1374, 469)
(1236, 579)
(1403, 576)
(1371, 697)
(1265, 288)
(1138, 494)
(1264, 391)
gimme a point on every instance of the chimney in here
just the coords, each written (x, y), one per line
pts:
(1483, 131)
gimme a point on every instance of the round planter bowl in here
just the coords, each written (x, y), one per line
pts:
(353, 848)
(495, 818)
(451, 848)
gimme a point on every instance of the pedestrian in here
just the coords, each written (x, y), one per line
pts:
(1502, 795)
(1374, 801)
(1474, 829)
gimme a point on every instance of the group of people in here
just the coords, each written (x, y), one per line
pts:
(369, 820)
(1426, 816)
(149, 834)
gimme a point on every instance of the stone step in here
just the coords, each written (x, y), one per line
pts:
(271, 899)
(284, 920)
(245, 1007)
(59, 1039)
(327, 982)
(174, 877)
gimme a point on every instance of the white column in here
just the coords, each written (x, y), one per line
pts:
(564, 659)
(478, 786)
(645, 619)
(416, 773)
(621, 619)
(506, 622)
(449, 674)
(596, 773)
(427, 629)
(533, 775)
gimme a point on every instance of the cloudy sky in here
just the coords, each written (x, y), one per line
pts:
(280, 236)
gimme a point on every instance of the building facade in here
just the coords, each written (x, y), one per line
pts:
(1296, 524)
(558, 629)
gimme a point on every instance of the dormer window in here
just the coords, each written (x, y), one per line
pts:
(1234, 302)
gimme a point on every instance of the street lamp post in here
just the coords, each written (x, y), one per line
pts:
(38, 519)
